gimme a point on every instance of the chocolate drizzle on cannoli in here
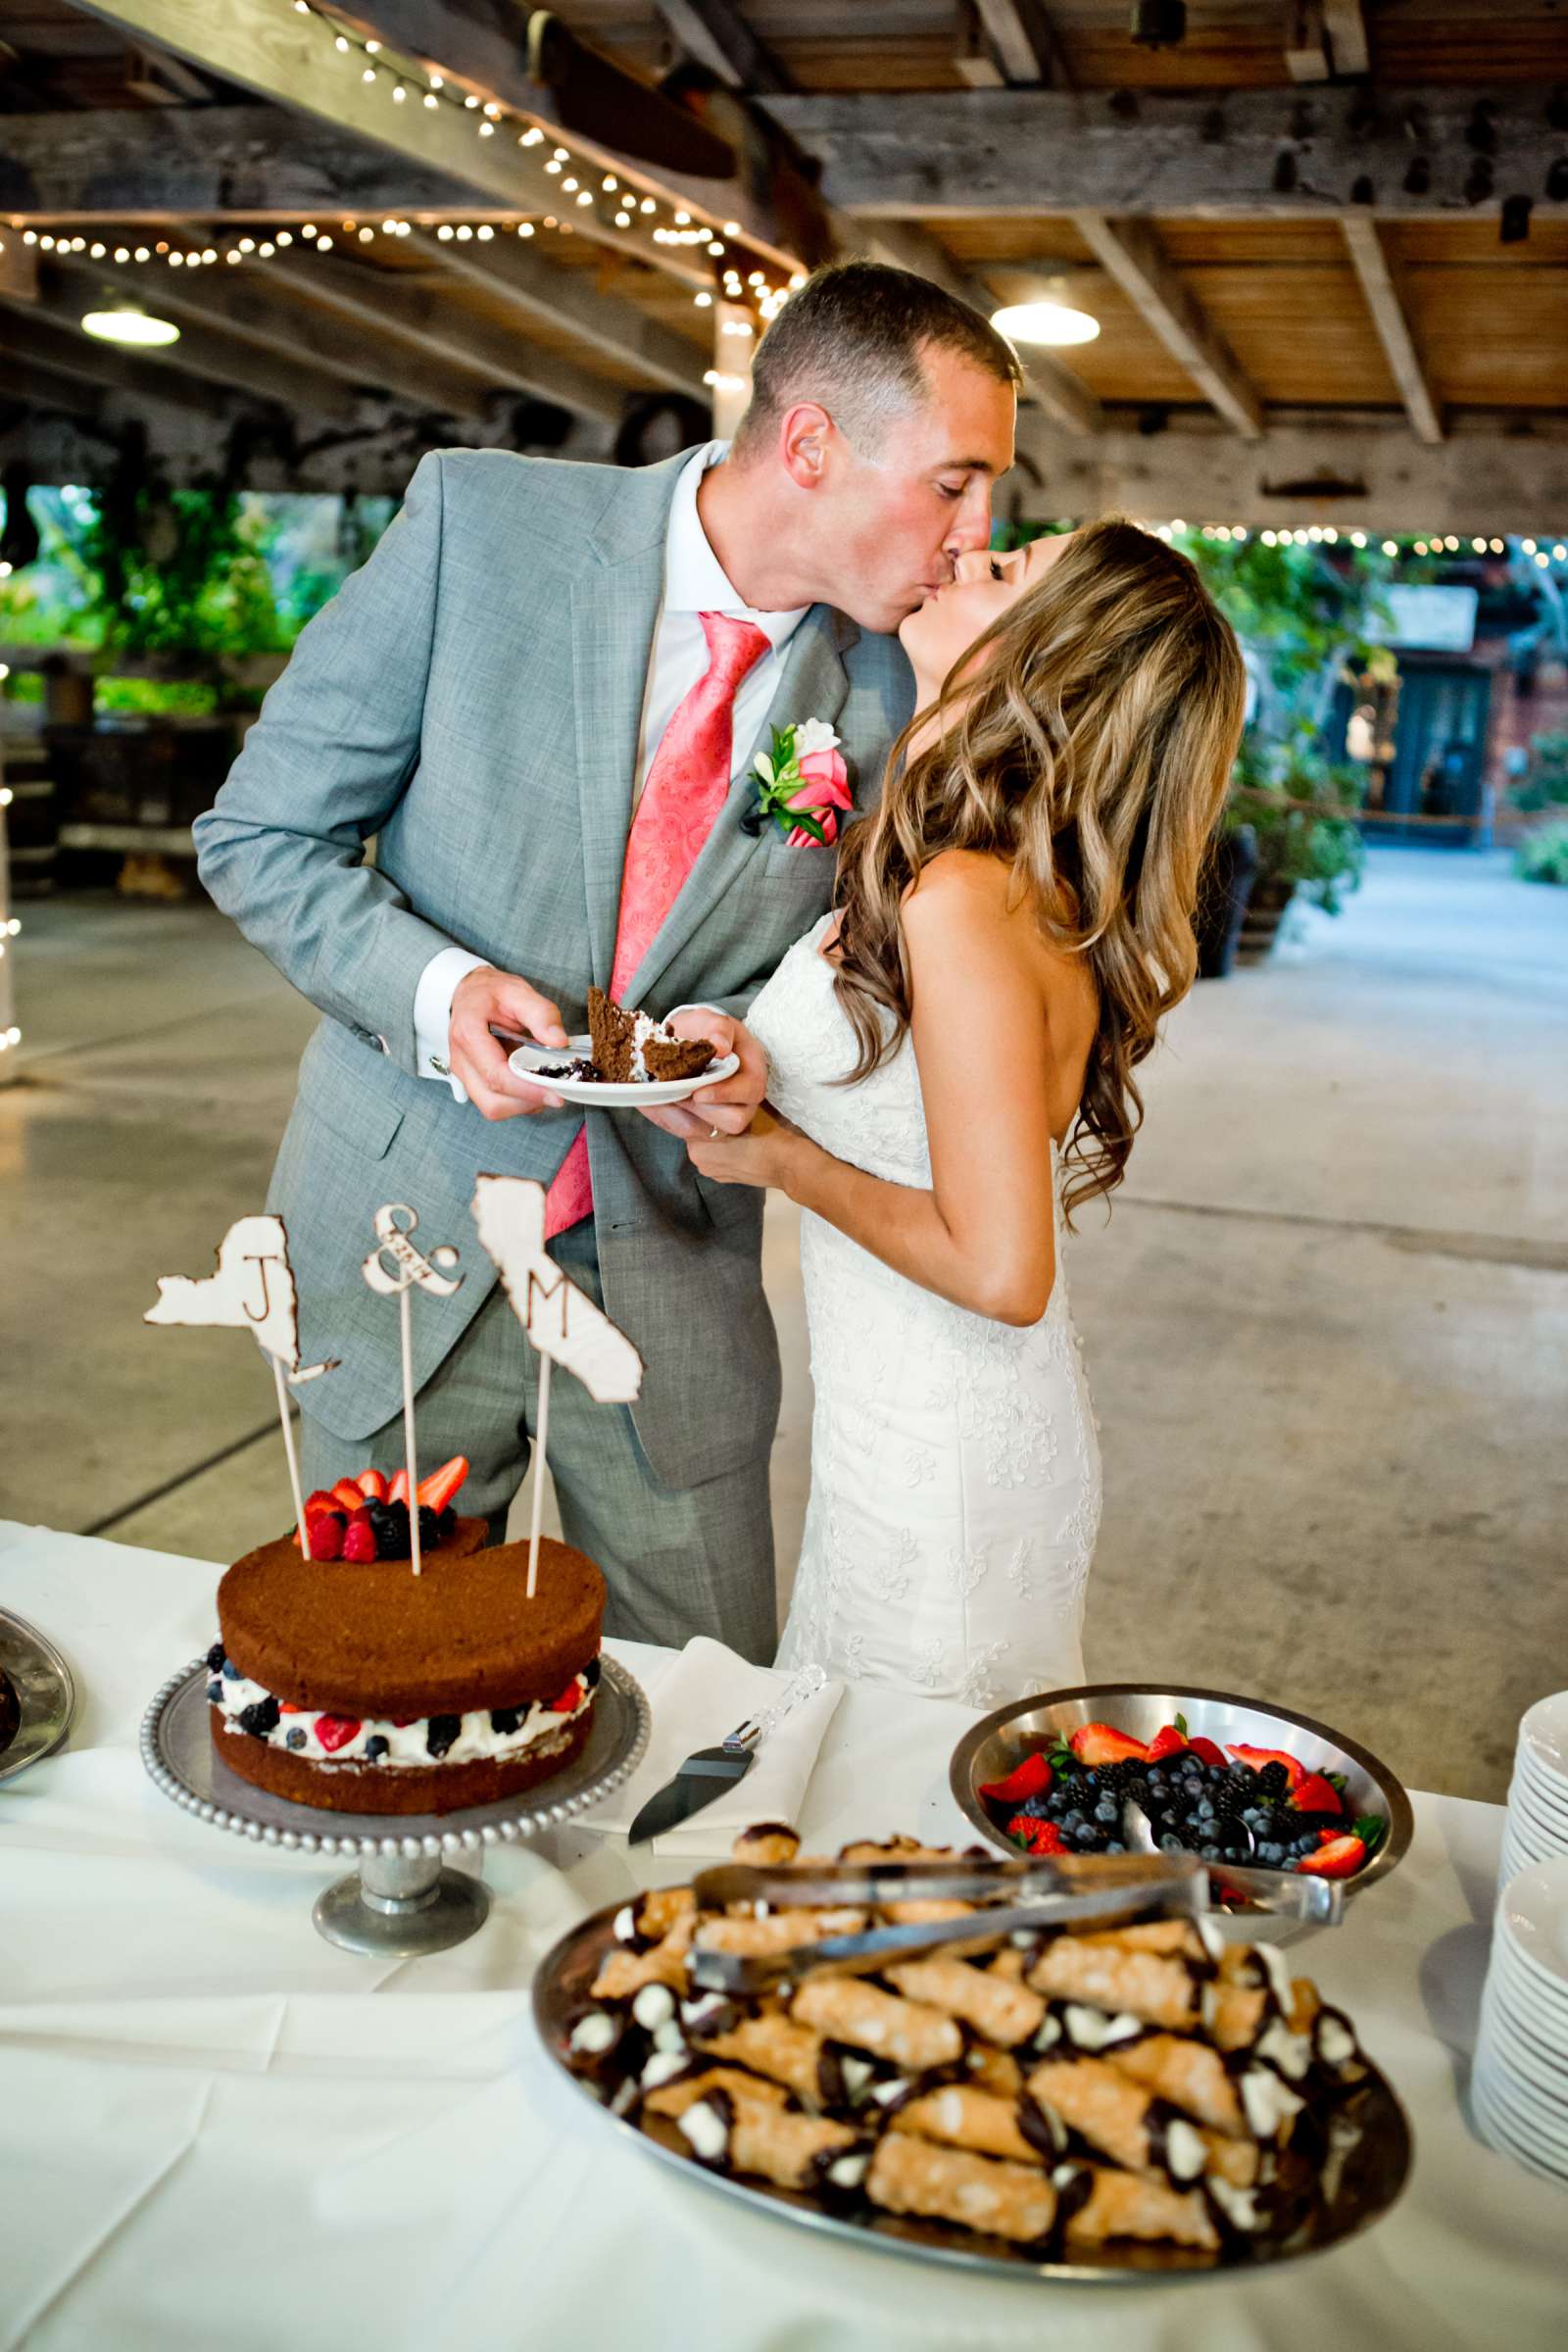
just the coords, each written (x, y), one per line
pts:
(1042, 2127)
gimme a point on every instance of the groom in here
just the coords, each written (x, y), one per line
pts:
(541, 696)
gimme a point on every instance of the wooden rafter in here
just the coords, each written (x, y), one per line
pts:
(717, 35)
(1393, 328)
(62, 349)
(207, 352)
(1027, 51)
(541, 295)
(1276, 154)
(1132, 256)
(413, 308)
(1064, 396)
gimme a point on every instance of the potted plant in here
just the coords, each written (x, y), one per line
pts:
(1301, 810)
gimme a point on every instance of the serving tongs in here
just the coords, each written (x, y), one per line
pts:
(1010, 1896)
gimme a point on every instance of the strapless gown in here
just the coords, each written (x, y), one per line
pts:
(956, 1484)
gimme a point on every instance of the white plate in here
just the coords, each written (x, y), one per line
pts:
(1534, 1917)
(1549, 1812)
(1510, 2139)
(1543, 1737)
(525, 1060)
(1525, 2042)
(1547, 2139)
(1544, 2013)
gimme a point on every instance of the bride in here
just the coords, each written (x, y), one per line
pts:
(952, 1054)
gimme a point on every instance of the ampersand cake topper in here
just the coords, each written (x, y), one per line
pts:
(396, 1269)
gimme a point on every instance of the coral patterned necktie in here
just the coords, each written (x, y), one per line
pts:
(687, 786)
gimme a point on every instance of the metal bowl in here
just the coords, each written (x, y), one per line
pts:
(991, 1749)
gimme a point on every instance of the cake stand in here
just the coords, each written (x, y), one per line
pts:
(402, 1899)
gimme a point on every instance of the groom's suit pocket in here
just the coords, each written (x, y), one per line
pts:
(352, 1090)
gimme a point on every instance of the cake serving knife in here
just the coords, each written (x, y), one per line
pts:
(709, 1772)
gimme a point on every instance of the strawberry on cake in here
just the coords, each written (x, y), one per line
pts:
(348, 1683)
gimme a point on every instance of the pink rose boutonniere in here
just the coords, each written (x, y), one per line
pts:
(802, 785)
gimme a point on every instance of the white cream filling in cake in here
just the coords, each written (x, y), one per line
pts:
(476, 1740)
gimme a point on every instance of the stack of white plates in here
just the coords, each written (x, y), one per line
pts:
(1537, 1824)
(1519, 2089)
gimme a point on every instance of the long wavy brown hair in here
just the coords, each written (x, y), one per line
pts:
(1091, 748)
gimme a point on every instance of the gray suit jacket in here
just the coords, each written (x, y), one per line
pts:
(473, 698)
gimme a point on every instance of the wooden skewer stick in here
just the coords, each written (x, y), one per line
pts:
(409, 1453)
(541, 1440)
(293, 1458)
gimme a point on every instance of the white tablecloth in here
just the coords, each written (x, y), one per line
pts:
(218, 2129)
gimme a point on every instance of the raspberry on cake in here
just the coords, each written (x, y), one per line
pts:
(633, 1049)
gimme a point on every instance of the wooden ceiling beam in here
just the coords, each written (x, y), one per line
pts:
(1371, 265)
(1026, 49)
(1256, 154)
(35, 385)
(512, 272)
(269, 49)
(1066, 398)
(1131, 253)
(419, 314)
(212, 354)
(715, 34)
(370, 363)
(1345, 24)
(62, 349)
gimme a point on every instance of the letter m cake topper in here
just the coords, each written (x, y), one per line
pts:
(562, 1322)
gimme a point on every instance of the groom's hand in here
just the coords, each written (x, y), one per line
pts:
(728, 1106)
(485, 999)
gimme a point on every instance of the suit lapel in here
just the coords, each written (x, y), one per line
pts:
(814, 684)
(614, 609)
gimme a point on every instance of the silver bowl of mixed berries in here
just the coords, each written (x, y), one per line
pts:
(1121, 1767)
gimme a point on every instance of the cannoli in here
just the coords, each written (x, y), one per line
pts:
(1174, 1938)
(625, 1971)
(1239, 2162)
(651, 1916)
(1107, 1976)
(1122, 2205)
(994, 2070)
(1006, 2014)
(766, 1845)
(673, 2098)
(963, 2117)
(1188, 2075)
(742, 2135)
(776, 2045)
(776, 1931)
(850, 2010)
(1077, 2026)
(1009, 2200)
(1234, 2015)
(1119, 2118)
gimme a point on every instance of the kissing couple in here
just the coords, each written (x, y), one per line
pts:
(513, 759)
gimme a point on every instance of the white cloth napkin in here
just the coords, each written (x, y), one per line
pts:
(703, 1694)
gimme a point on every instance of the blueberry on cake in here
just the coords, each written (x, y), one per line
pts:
(633, 1049)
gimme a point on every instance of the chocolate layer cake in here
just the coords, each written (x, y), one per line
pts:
(633, 1049)
(363, 1689)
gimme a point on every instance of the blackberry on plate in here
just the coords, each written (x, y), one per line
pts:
(260, 1717)
(443, 1730)
(1274, 1780)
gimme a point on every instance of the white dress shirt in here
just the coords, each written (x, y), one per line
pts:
(694, 582)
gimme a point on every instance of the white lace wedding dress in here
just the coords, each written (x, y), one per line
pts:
(954, 1464)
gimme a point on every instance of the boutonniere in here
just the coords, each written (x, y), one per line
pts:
(803, 784)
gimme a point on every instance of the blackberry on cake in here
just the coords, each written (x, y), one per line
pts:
(633, 1049)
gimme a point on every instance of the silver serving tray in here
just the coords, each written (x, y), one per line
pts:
(177, 1747)
(990, 1749)
(1371, 2179)
(45, 1689)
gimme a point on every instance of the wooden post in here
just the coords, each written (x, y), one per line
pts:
(10, 1034)
(730, 376)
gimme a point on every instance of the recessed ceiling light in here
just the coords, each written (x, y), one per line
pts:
(127, 325)
(1044, 322)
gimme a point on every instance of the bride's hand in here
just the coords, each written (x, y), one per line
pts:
(730, 1104)
(767, 1154)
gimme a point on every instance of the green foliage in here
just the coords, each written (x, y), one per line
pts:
(1542, 856)
(1546, 785)
(1301, 810)
(1300, 608)
(155, 698)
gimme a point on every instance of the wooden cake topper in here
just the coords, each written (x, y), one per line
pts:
(253, 1290)
(562, 1322)
(395, 1268)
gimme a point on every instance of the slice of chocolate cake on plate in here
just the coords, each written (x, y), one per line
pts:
(633, 1049)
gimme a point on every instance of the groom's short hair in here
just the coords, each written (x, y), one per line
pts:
(854, 339)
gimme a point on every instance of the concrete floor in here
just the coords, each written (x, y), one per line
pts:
(1327, 1322)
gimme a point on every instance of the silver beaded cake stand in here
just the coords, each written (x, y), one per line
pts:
(402, 1900)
